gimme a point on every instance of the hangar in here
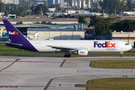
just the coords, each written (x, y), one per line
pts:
(55, 34)
(128, 37)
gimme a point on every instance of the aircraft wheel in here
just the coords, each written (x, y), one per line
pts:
(65, 55)
(121, 54)
(69, 55)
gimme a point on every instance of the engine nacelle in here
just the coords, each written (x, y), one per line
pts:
(83, 52)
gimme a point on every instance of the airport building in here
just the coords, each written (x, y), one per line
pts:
(128, 37)
(51, 2)
(130, 13)
(55, 34)
(85, 3)
(10, 2)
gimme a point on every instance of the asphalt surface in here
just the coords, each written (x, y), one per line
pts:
(54, 73)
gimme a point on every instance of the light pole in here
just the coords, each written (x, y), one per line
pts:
(0, 5)
(67, 6)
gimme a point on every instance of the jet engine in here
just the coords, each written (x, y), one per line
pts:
(83, 52)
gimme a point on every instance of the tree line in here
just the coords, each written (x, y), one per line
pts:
(107, 25)
(112, 6)
(22, 10)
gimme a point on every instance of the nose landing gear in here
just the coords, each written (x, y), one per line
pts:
(121, 54)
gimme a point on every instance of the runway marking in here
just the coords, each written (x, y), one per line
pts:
(62, 63)
(95, 76)
(48, 84)
(8, 86)
(25, 61)
(6, 61)
(81, 59)
(4, 86)
(29, 86)
(32, 61)
(9, 65)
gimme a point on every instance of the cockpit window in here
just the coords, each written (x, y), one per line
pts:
(126, 44)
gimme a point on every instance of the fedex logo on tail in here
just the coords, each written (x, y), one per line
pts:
(107, 44)
(13, 33)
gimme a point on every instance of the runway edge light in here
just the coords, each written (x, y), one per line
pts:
(106, 58)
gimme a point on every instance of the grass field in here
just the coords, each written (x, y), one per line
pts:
(110, 84)
(119, 64)
(9, 51)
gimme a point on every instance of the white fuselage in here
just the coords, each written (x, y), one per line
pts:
(90, 45)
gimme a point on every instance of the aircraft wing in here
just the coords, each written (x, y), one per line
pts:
(63, 48)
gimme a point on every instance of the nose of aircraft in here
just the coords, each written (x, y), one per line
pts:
(130, 47)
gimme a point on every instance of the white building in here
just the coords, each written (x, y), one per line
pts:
(133, 1)
(85, 12)
(1, 14)
(55, 34)
(16, 2)
(61, 2)
(11, 2)
(128, 37)
(131, 13)
(52, 9)
(84, 3)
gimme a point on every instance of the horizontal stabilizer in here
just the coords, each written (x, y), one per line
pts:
(13, 44)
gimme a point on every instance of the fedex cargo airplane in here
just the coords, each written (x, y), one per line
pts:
(80, 47)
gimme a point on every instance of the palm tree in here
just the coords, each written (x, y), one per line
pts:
(93, 21)
(81, 19)
(43, 22)
(19, 22)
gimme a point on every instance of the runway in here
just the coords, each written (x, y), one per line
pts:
(54, 73)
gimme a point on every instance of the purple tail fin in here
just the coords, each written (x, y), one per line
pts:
(17, 39)
(14, 34)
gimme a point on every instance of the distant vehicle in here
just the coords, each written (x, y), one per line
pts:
(60, 16)
(80, 47)
(47, 15)
(53, 18)
(121, 18)
(11, 16)
(5, 34)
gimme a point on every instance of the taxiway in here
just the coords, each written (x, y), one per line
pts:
(54, 73)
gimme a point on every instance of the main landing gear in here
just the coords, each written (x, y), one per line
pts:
(67, 54)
